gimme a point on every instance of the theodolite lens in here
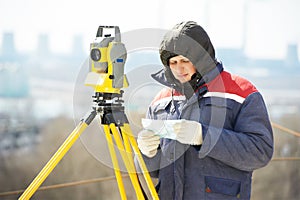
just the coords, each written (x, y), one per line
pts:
(95, 54)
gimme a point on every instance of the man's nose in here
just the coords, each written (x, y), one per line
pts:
(179, 67)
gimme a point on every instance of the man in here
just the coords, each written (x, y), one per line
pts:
(218, 121)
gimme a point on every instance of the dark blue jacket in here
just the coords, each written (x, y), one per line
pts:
(237, 139)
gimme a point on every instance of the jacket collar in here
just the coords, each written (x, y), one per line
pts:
(161, 78)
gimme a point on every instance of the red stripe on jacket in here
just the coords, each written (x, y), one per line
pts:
(233, 84)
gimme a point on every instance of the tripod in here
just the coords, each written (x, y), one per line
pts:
(109, 106)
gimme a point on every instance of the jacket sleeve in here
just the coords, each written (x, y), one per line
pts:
(249, 145)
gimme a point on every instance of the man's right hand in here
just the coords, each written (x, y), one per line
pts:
(148, 143)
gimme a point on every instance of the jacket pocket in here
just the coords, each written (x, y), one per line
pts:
(219, 102)
(222, 186)
(218, 112)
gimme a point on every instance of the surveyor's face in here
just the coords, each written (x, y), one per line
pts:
(182, 68)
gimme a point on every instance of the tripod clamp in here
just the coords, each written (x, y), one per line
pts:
(110, 108)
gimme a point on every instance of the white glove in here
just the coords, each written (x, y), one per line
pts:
(188, 132)
(148, 143)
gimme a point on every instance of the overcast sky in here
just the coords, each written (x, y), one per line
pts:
(270, 24)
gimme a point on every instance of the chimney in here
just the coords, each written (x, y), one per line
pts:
(291, 59)
(43, 49)
(8, 45)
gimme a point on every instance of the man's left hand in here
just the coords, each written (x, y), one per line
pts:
(188, 132)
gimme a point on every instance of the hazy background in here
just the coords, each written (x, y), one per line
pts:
(44, 46)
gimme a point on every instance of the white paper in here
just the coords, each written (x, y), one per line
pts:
(162, 128)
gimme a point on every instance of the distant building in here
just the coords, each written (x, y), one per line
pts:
(77, 47)
(8, 49)
(236, 60)
(13, 77)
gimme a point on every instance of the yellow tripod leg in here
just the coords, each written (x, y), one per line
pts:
(129, 153)
(114, 161)
(128, 161)
(44, 173)
(126, 129)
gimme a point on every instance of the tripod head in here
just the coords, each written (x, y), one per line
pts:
(107, 59)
